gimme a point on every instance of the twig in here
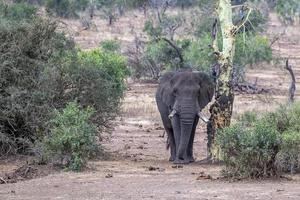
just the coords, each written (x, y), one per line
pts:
(3, 180)
(244, 21)
(276, 38)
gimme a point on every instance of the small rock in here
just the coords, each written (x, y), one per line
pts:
(159, 128)
(177, 166)
(108, 175)
(140, 147)
(161, 169)
(127, 146)
(204, 177)
(151, 168)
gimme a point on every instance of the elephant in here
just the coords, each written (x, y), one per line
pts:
(180, 97)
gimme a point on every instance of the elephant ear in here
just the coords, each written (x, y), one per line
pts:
(166, 88)
(207, 89)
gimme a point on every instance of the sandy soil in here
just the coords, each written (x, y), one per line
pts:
(138, 166)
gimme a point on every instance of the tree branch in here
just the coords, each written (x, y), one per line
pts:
(242, 24)
(292, 88)
(177, 49)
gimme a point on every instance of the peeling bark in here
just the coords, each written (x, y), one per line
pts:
(221, 109)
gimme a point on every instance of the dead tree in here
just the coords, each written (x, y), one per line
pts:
(292, 88)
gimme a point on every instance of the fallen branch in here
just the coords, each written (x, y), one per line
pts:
(2, 181)
(248, 88)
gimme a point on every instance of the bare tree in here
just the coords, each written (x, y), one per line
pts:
(292, 88)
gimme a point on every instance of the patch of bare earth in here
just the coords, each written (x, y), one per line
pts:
(138, 166)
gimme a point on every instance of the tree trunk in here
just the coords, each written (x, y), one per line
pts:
(221, 109)
(292, 88)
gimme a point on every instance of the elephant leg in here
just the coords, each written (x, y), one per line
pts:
(176, 133)
(171, 143)
(164, 112)
(190, 156)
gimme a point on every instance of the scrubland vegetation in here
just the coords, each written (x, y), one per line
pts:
(56, 100)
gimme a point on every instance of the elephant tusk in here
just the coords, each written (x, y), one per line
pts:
(201, 116)
(171, 115)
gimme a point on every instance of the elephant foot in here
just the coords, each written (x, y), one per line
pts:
(172, 158)
(191, 159)
(181, 161)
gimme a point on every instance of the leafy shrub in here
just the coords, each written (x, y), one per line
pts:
(250, 50)
(17, 12)
(249, 151)
(72, 139)
(40, 70)
(26, 50)
(262, 146)
(289, 11)
(287, 119)
(113, 64)
(94, 78)
(288, 158)
(110, 45)
(199, 55)
(66, 8)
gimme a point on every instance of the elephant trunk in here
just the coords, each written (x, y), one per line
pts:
(187, 118)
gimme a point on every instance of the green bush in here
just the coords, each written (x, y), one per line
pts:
(289, 11)
(262, 146)
(113, 64)
(94, 78)
(199, 55)
(17, 12)
(250, 50)
(288, 119)
(110, 45)
(40, 70)
(66, 8)
(26, 50)
(72, 139)
(249, 151)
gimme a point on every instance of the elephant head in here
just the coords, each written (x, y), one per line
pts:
(184, 94)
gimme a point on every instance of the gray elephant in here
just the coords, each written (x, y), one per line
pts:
(180, 97)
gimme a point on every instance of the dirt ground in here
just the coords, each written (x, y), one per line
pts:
(137, 167)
